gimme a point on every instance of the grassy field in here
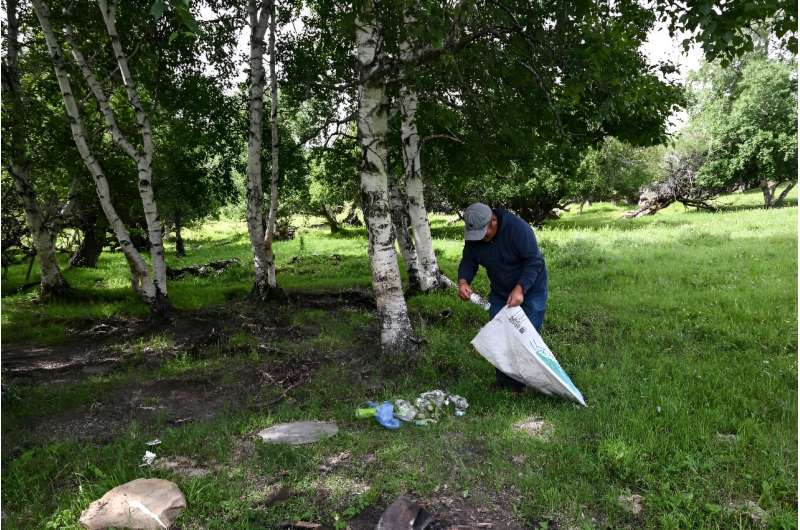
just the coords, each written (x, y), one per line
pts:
(680, 330)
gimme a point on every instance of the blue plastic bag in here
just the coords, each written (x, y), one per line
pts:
(384, 414)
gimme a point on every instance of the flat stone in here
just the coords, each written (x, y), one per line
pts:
(144, 503)
(299, 432)
(404, 514)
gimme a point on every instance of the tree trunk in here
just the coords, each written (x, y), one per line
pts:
(141, 280)
(52, 282)
(429, 275)
(330, 218)
(145, 156)
(397, 204)
(258, 14)
(94, 239)
(272, 281)
(180, 249)
(352, 217)
(779, 201)
(396, 332)
(768, 189)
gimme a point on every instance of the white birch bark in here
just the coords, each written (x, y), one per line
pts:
(399, 212)
(258, 15)
(273, 188)
(141, 280)
(429, 274)
(372, 123)
(144, 157)
(52, 281)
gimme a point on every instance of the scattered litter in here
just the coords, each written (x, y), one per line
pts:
(460, 404)
(148, 459)
(428, 408)
(384, 413)
(434, 404)
(155, 442)
(631, 503)
(477, 300)
(405, 410)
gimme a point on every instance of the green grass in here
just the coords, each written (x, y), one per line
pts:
(676, 328)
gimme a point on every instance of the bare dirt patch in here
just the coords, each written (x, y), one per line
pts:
(98, 347)
(452, 511)
(235, 331)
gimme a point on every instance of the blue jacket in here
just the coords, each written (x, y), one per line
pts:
(512, 257)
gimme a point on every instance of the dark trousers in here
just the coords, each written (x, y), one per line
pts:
(533, 306)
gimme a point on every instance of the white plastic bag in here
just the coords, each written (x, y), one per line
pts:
(511, 343)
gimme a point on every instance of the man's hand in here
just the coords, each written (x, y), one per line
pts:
(516, 297)
(464, 290)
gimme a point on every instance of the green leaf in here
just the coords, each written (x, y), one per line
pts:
(187, 19)
(173, 36)
(157, 9)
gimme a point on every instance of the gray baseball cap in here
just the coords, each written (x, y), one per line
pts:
(476, 220)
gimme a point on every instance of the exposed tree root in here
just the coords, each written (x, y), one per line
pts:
(265, 294)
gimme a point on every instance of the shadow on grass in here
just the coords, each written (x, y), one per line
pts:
(731, 207)
(348, 233)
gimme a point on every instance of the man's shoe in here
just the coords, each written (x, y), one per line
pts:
(505, 387)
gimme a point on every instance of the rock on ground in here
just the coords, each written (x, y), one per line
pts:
(300, 432)
(142, 504)
(404, 514)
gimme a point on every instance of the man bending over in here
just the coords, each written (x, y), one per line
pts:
(506, 247)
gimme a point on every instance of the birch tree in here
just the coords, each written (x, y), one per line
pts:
(275, 152)
(142, 279)
(372, 124)
(261, 233)
(400, 222)
(144, 156)
(430, 277)
(18, 165)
